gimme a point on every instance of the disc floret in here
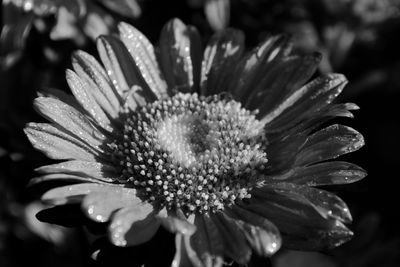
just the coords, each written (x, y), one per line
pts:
(191, 152)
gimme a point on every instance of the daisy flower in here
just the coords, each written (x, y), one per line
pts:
(223, 148)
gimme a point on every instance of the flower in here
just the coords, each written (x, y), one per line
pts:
(222, 148)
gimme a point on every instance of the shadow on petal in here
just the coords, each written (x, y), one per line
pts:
(133, 225)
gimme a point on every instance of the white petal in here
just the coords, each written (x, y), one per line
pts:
(142, 52)
(80, 90)
(64, 194)
(93, 169)
(57, 144)
(99, 206)
(70, 119)
(102, 89)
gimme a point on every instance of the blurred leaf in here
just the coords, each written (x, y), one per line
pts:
(376, 11)
(65, 27)
(217, 13)
(126, 8)
(52, 233)
(75, 20)
(97, 22)
(13, 35)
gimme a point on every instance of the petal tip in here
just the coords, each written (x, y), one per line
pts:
(116, 234)
(176, 22)
(126, 28)
(336, 79)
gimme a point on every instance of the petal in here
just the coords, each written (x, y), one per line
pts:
(185, 256)
(80, 90)
(69, 119)
(274, 91)
(57, 144)
(234, 240)
(329, 143)
(282, 152)
(340, 110)
(99, 206)
(124, 73)
(62, 178)
(310, 98)
(325, 203)
(111, 52)
(283, 210)
(133, 225)
(142, 52)
(100, 86)
(177, 225)
(299, 222)
(319, 239)
(71, 193)
(253, 67)
(62, 96)
(83, 168)
(223, 51)
(312, 120)
(262, 235)
(327, 173)
(207, 241)
(180, 54)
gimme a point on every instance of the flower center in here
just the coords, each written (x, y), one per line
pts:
(186, 137)
(195, 153)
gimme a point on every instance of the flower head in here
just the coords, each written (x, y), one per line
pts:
(222, 148)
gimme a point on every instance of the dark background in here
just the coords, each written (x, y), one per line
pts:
(359, 38)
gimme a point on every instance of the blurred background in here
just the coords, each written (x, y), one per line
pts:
(359, 38)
